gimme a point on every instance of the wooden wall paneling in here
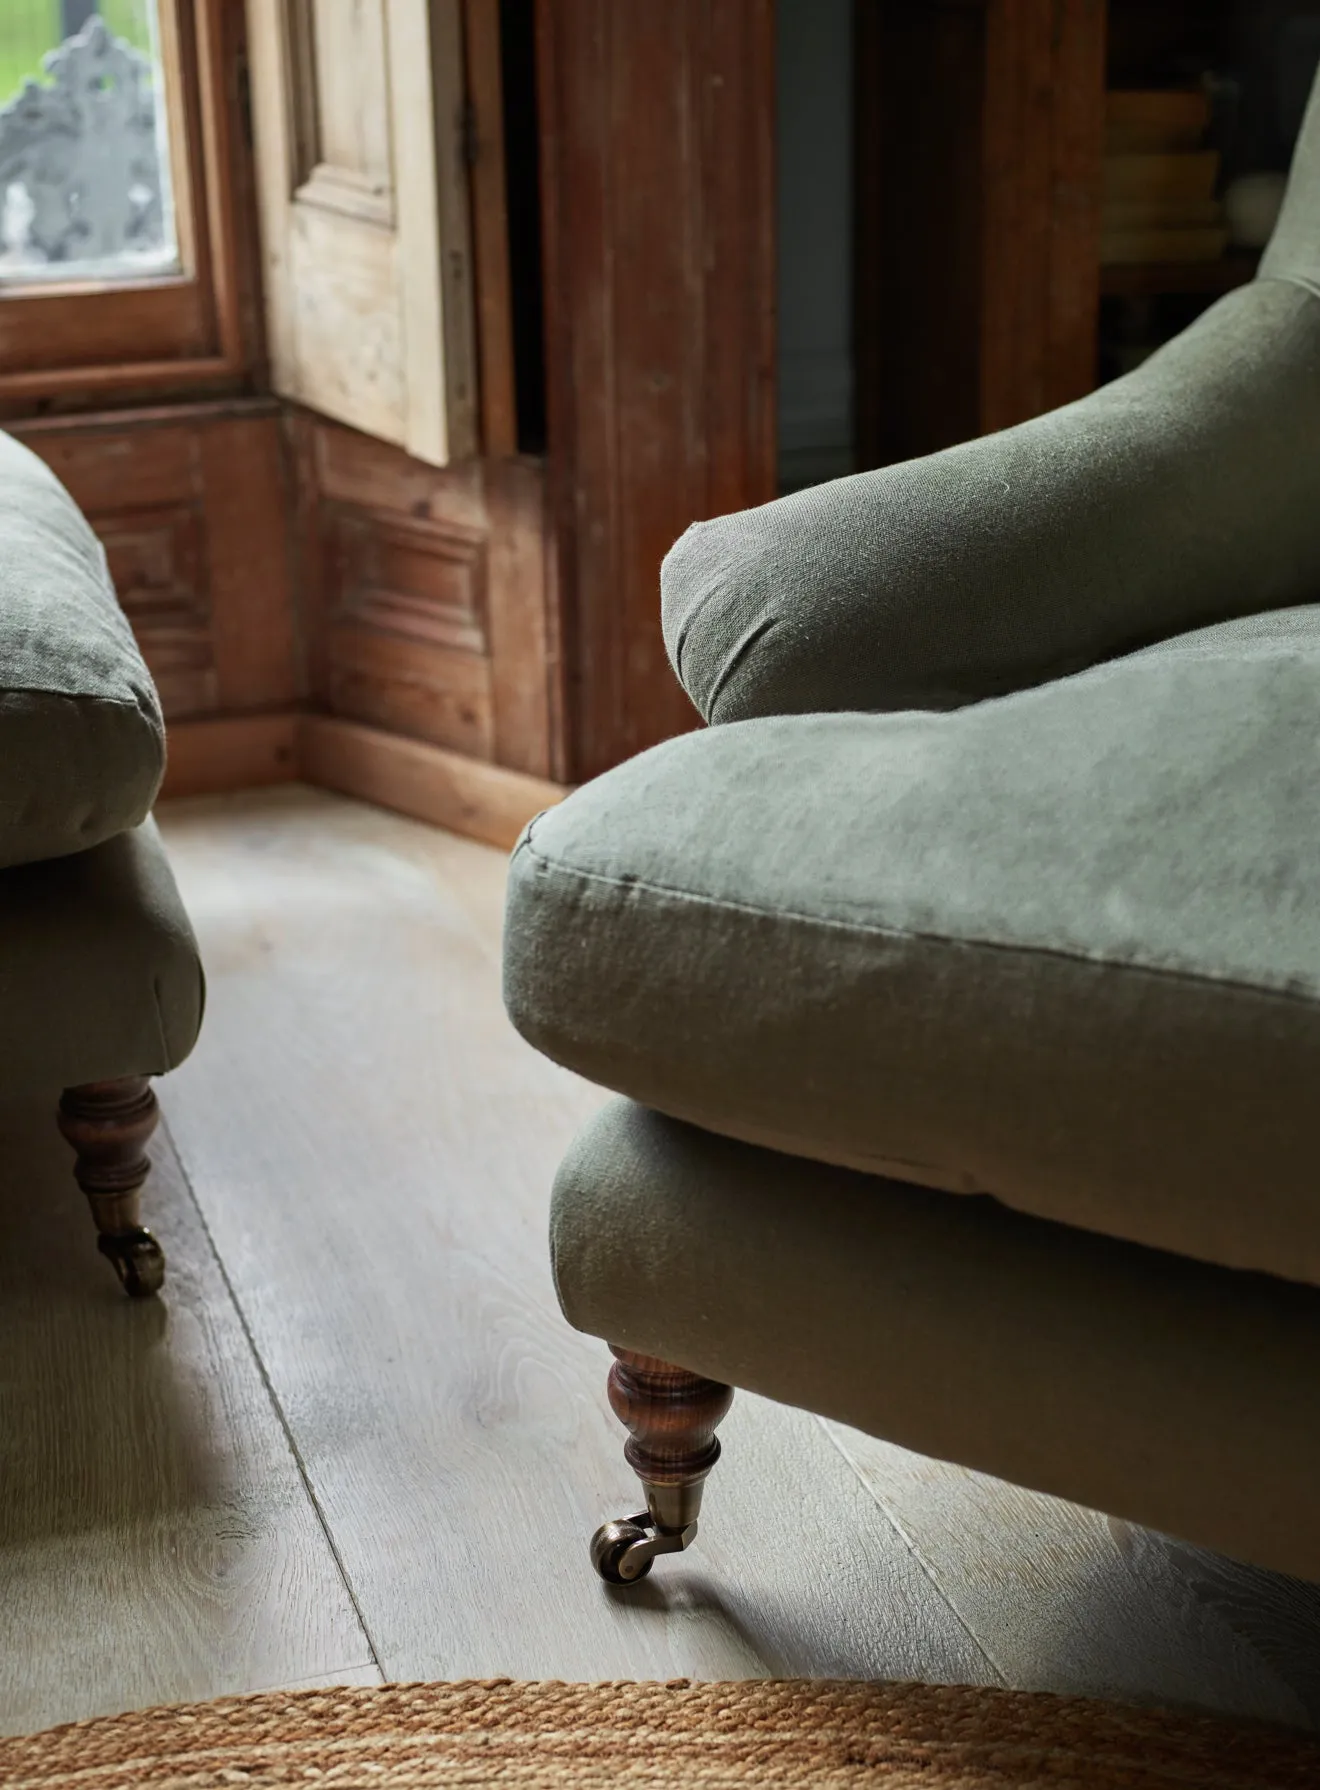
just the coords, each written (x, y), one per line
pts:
(487, 181)
(426, 595)
(736, 397)
(215, 757)
(918, 278)
(395, 589)
(190, 503)
(979, 141)
(159, 563)
(1078, 119)
(245, 488)
(522, 620)
(658, 204)
(1043, 145)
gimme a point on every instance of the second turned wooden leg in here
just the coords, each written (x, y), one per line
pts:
(671, 1415)
(108, 1124)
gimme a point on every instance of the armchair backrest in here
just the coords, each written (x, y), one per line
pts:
(1294, 249)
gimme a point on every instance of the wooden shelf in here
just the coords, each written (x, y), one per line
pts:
(1151, 279)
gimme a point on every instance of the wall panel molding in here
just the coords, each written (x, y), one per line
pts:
(426, 594)
(191, 503)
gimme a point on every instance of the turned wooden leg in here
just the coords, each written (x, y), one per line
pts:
(108, 1124)
(671, 1416)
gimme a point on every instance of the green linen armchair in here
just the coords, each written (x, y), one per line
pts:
(100, 980)
(963, 980)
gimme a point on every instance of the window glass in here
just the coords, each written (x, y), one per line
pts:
(84, 155)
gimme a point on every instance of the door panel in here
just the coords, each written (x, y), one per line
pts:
(357, 108)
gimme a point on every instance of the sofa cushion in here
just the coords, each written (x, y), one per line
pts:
(99, 971)
(1062, 947)
(82, 743)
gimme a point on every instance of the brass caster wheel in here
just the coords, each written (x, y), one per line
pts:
(615, 1553)
(137, 1259)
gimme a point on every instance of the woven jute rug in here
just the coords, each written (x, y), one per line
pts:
(789, 1734)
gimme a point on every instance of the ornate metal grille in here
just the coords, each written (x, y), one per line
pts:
(84, 164)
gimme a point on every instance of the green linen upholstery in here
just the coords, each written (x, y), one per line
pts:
(1062, 947)
(1175, 1394)
(1181, 494)
(99, 971)
(82, 743)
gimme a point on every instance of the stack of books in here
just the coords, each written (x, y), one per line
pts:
(1159, 194)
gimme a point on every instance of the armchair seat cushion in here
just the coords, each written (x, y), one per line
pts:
(82, 743)
(99, 970)
(1061, 947)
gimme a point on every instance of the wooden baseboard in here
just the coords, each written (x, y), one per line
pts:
(212, 757)
(466, 795)
(480, 800)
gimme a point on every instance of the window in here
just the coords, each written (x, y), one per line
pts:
(85, 179)
(118, 248)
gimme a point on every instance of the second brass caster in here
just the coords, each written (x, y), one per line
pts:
(624, 1551)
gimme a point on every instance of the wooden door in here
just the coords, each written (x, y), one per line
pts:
(358, 119)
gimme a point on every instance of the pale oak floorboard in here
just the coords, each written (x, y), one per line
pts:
(373, 1146)
(1069, 1600)
(369, 1674)
(157, 1541)
(380, 1206)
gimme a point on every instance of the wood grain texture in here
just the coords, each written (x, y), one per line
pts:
(657, 136)
(426, 595)
(232, 752)
(487, 180)
(522, 621)
(350, 1675)
(364, 216)
(157, 1542)
(190, 503)
(455, 1430)
(1064, 1599)
(108, 1125)
(478, 800)
(671, 1416)
(1043, 147)
(979, 148)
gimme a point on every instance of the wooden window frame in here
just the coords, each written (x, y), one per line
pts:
(89, 343)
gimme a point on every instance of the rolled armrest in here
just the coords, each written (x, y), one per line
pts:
(1185, 493)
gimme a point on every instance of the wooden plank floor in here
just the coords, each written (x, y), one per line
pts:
(157, 1540)
(358, 1440)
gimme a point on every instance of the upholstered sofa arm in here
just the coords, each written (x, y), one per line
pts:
(1181, 494)
(82, 741)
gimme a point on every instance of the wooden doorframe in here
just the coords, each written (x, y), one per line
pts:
(657, 144)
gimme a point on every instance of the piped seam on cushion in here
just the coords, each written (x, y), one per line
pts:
(134, 704)
(872, 929)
